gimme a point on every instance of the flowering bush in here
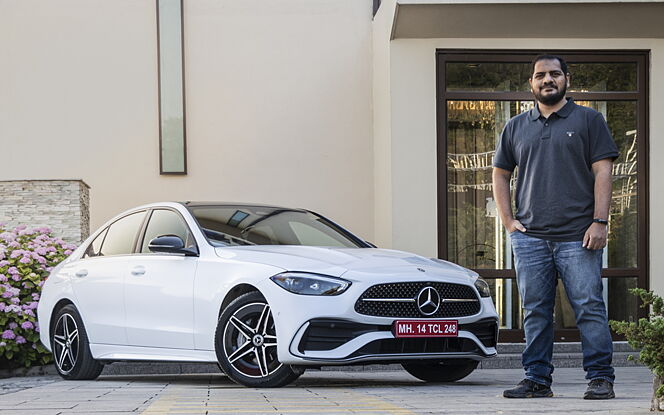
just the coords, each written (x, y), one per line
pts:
(26, 259)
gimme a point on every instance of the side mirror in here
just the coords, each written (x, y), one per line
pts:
(170, 244)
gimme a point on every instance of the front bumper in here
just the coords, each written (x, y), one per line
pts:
(315, 330)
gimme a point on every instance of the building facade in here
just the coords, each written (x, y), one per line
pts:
(381, 115)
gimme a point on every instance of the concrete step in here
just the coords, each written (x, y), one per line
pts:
(513, 360)
(568, 347)
(509, 357)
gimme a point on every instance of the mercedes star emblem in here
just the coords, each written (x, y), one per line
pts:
(428, 301)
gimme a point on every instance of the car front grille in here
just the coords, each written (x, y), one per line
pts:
(400, 300)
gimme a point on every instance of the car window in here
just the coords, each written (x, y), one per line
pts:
(95, 247)
(166, 222)
(121, 235)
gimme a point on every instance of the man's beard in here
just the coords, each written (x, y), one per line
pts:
(551, 99)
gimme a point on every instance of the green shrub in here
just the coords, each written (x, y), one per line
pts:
(647, 334)
(26, 259)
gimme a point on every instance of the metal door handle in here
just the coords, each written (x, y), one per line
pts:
(81, 273)
(139, 270)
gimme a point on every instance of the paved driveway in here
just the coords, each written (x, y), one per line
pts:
(328, 392)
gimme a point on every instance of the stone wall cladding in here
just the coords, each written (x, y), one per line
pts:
(62, 205)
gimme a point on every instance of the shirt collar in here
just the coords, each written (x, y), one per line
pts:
(563, 112)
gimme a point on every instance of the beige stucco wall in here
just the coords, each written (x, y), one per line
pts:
(278, 99)
(412, 99)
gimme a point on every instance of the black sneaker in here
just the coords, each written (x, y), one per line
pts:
(599, 389)
(528, 389)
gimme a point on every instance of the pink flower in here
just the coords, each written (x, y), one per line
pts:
(4, 263)
(16, 277)
(14, 244)
(8, 335)
(2, 306)
(33, 305)
(20, 228)
(41, 251)
(12, 270)
(68, 252)
(29, 313)
(13, 325)
(20, 340)
(27, 325)
(3, 278)
(3, 344)
(25, 260)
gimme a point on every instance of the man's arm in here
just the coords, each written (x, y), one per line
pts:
(501, 194)
(595, 237)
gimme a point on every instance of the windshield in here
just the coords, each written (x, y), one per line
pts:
(256, 225)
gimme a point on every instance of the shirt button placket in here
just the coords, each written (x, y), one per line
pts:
(546, 131)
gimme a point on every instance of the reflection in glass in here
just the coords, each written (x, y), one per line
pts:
(476, 239)
(171, 101)
(487, 77)
(623, 230)
(600, 77)
(513, 77)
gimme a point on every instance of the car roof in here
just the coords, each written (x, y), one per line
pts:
(231, 204)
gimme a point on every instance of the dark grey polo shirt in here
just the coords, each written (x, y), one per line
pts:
(555, 184)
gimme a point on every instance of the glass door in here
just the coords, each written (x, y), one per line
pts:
(478, 93)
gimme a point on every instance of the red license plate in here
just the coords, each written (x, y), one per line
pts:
(431, 328)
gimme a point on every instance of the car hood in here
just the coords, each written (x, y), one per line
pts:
(359, 262)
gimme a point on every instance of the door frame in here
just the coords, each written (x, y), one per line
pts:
(641, 58)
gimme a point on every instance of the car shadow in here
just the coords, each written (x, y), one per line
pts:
(311, 379)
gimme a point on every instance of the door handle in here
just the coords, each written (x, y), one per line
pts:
(139, 270)
(81, 273)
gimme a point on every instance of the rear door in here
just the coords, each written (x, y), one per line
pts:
(98, 278)
(159, 288)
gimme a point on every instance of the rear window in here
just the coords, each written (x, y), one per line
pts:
(121, 235)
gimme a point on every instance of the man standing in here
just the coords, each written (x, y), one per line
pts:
(565, 154)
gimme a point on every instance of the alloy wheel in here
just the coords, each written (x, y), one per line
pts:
(250, 341)
(66, 343)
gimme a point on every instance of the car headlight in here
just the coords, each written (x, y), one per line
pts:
(310, 284)
(483, 287)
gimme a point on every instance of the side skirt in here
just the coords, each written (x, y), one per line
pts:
(116, 352)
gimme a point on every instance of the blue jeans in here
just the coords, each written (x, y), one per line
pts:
(537, 262)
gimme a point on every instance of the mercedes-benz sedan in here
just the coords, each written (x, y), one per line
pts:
(266, 292)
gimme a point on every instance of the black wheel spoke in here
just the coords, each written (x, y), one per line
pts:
(261, 326)
(261, 360)
(242, 351)
(61, 358)
(59, 340)
(246, 331)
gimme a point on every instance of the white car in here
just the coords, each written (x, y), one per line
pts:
(266, 292)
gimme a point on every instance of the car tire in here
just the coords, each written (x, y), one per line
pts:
(246, 344)
(71, 348)
(441, 371)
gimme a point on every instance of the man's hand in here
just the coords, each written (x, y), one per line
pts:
(515, 225)
(595, 237)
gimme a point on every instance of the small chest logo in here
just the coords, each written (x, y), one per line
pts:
(570, 133)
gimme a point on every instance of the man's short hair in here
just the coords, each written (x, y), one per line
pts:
(563, 64)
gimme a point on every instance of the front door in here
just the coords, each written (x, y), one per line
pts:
(159, 289)
(478, 93)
